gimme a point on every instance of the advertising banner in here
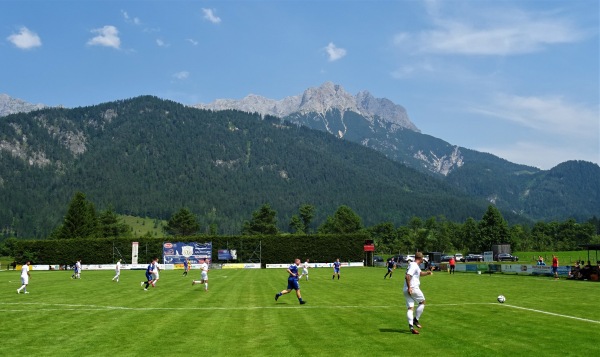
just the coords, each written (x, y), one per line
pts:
(177, 252)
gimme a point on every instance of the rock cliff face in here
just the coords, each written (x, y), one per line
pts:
(9, 105)
(321, 100)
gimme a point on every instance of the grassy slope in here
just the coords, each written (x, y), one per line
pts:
(361, 314)
(142, 226)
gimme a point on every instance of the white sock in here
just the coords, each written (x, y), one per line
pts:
(206, 286)
(420, 309)
(409, 316)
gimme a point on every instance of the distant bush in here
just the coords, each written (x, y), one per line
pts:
(265, 249)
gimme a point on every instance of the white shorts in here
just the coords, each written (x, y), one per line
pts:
(155, 275)
(305, 271)
(416, 297)
(204, 275)
(24, 280)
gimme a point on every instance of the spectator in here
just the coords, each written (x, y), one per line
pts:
(452, 263)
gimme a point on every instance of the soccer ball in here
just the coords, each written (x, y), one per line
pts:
(501, 299)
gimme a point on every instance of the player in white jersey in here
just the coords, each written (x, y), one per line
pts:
(413, 294)
(305, 267)
(117, 271)
(24, 278)
(203, 276)
(155, 273)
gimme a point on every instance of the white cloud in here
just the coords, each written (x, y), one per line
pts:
(182, 75)
(489, 31)
(209, 14)
(557, 130)
(542, 155)
(107, 36)
(161, 43)
(135, 20)
(192, 41)
(334, 53)
(547, 114)
(25, 39)
(506, 39)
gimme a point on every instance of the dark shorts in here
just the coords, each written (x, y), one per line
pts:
(293, 284)
(336, 270)
(149, 276)
(554, 270)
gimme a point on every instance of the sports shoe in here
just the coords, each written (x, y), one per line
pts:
(416, 323)
(141, 283)
(414, 332)
(302, 302)
(193, 282)
(276, 297)
(19, 291)
(145, 289)
(27, 292)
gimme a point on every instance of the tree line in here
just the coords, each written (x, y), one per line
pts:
(431, 234)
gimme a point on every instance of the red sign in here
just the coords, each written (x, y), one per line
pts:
(369, 247)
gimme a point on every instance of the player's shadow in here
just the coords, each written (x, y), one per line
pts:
(393, 330)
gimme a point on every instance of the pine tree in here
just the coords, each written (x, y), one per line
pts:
(264, 221)
(183, 223)
(80, 220)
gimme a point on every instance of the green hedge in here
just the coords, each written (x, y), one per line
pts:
(272, 249)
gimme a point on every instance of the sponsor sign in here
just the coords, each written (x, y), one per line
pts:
(177, 252)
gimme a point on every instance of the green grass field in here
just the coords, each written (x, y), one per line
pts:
(359, 315)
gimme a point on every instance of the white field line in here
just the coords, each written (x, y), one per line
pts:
(553, 314)
(80, 307)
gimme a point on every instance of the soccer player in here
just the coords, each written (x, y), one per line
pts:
(413, 294)
(24, 278)
(203, 276)
(336, 269)
(555, 266)
(305, 267)
(149, 269)
(186, 266)
(117, 271)
(77, 270)
(155, 273)
(292, 282)
(391, 266)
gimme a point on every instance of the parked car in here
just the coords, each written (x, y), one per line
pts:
(446, 258)
(459, 257)
(377, 258)
(506, 257)
(474, 258)
(399, 259)
(411, 257)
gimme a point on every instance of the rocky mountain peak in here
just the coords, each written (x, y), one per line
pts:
(9, 105)
(321, 100)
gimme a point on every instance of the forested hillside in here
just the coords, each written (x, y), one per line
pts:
(150, 157)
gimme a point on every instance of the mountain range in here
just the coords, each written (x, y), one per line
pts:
(380, 124)
(149, 157)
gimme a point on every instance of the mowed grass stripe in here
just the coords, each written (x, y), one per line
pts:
(361, 314)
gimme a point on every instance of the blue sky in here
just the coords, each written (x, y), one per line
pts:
(519, 79)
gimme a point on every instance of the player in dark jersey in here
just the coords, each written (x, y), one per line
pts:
(292, 282)
(186, 266)
(151, 267)
(391, 265)
(336, 268)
